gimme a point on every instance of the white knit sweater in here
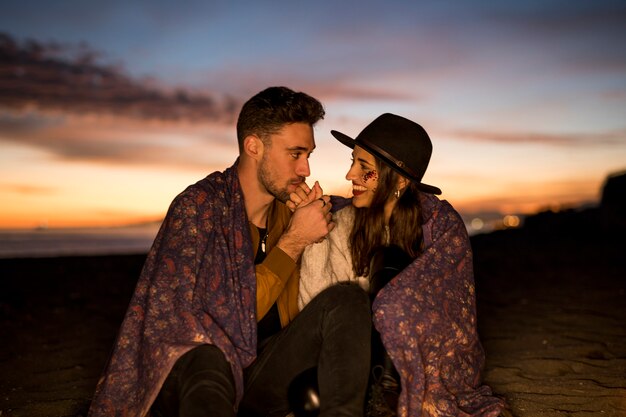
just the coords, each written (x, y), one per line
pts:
(329, 262)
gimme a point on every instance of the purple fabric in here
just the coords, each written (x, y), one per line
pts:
(427, 319)
(197, 286)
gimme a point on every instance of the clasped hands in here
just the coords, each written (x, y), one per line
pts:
(311, 220)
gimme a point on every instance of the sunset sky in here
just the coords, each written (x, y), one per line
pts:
(110, 109)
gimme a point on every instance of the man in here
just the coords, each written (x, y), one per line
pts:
(213, 326)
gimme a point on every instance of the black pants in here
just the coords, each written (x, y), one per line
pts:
(332, 332)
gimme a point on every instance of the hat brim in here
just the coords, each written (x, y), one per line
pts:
(351, 143)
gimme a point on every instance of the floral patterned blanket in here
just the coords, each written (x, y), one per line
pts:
(426, 315)
(197, 286)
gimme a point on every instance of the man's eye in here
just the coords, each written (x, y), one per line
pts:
(296, 155)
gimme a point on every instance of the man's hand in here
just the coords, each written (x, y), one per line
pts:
(310, 223)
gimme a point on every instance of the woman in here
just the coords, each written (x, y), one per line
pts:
(426, 313)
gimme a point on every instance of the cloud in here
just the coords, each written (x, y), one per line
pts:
(115, 140)
(69, 78)
(60, 99)
(343, 91)
(608, 138)
(584, 36)
(568, 18)
(26, 189)
(489, 205)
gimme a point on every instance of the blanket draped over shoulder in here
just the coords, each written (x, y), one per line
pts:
(197, 287)
(426, 315)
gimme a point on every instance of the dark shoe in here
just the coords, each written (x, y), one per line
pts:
(382, 398)
(303, 394)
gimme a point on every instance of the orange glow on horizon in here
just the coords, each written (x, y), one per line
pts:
(34, 212)
(105, 171)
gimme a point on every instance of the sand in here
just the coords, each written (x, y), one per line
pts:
(551, 311)
(552, 318)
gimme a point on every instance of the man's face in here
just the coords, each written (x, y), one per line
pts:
(285, 162)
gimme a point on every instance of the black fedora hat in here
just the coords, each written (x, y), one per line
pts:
(400, 143)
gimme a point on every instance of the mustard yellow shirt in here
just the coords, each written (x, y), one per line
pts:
(277, 277)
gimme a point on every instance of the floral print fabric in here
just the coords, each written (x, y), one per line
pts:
(197, 286)
(426, 316)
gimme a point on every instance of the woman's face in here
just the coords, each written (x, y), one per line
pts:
(364, 176)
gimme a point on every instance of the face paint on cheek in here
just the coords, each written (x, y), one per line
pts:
(371, 175)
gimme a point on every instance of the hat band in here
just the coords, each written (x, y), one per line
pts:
(394, 160)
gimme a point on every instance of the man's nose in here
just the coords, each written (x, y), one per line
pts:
(303, 169)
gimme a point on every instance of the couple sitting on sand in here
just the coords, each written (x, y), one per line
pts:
(259, 293)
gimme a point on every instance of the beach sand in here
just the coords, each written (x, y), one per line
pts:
(552, 318)
(551, 312)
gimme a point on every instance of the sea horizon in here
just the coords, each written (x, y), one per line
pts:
(83, 241)
(99, 241)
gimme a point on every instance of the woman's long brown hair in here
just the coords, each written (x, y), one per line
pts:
(405, 224)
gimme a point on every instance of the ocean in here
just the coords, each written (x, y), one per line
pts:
(77, 242)
(134, 239)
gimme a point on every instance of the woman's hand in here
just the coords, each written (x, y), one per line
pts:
(304, 196)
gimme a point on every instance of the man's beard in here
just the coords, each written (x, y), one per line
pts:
(265, 178)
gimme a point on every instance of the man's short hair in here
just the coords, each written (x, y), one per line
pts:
(268, 111)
